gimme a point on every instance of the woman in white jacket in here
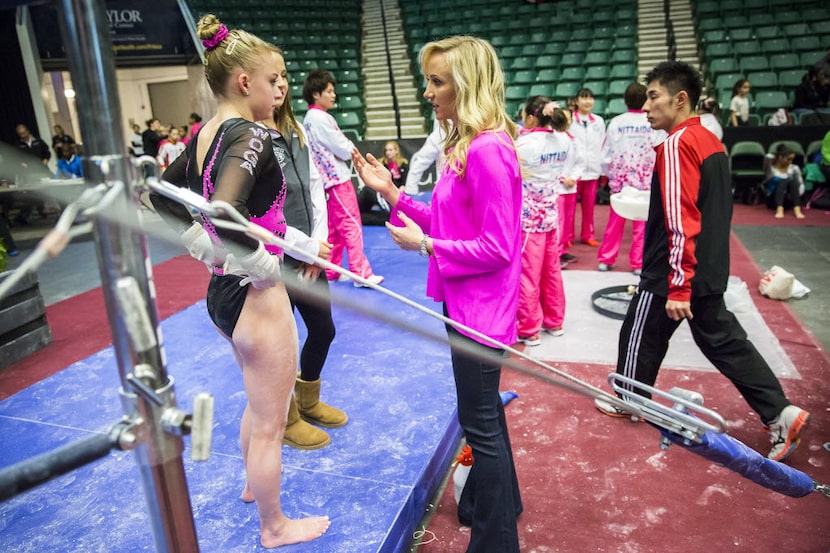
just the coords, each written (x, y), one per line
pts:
(547, 159)
(589, 131)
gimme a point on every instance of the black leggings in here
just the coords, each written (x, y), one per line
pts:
(784, 193)
(314, 306)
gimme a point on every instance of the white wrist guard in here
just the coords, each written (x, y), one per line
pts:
(200, 245)
(261, 269)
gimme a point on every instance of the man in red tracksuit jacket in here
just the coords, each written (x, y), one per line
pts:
(686, 262)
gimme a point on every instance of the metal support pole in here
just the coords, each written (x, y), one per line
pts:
(122, 254)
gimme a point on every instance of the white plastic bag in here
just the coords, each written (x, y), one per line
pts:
(631, 203)
(736, 297)
(780, 284)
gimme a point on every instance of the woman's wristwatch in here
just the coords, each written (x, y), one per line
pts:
(423, 251)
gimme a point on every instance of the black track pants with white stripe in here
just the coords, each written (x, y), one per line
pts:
(644, 340)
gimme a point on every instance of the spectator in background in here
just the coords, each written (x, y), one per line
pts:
(151, 137)
(195, 121)
(707, 109)
(628, 157)
(589, 132)
(395, 162)
(825, 157)
(739, 106)
(69, 164)
(571, 103)
(780, 118)
(59, 138)
(784, 183)
(29, 170)
(547, 159)
(431, 152)
(329, 150)
(367, 198)
(136, 141)
(170, 149)
(813, 92)
(31, 145)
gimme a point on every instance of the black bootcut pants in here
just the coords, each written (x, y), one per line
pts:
(491, 500)
(644, 340)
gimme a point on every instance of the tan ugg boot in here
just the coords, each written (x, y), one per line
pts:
(312, 409)
(301, 435)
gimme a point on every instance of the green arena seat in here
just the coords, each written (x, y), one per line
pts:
(775, 46)
(572, 74)
(548, 75)
(783, 61)
(763, 80)
(615, 107)
(524, 76)
(624, 71)
(596, 72)
(599, 88)
(790, 78)
(769, 101)
(565, 90)
(754, 63)
(617, 87)
(542, 89)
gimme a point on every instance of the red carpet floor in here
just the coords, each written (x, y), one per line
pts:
(80, 328)
(592, 483)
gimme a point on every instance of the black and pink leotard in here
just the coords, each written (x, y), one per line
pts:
(240, 169)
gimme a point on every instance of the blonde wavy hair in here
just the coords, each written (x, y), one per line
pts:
(284, 115)
(399, 159)
(238, 49)
(479, 94)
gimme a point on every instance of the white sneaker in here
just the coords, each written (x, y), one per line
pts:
(343, 278)
(532, 340)
(374, 279)
(606, 408)
(785, 432)
(555, 331)
(637, 272)
(603, 267)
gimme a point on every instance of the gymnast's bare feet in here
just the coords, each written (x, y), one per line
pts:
(295, 531)
(247, 495)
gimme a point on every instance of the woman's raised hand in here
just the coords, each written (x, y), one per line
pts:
(373, 173)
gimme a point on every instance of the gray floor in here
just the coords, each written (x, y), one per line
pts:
(76, 269)
(805, 252)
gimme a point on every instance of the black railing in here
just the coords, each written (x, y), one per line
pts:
(395, 106)
(671, 39)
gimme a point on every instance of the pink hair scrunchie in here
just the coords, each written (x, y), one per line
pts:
(213, 42)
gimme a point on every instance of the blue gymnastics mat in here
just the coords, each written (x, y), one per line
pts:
(374, 480)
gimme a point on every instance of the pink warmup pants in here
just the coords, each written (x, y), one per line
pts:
(567, 212)
(587, 192)
(346, 230)
(610, 247)
(541, 293)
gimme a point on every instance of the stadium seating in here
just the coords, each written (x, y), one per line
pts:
(757, 38)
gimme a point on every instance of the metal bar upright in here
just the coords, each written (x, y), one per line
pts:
(122, 254)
